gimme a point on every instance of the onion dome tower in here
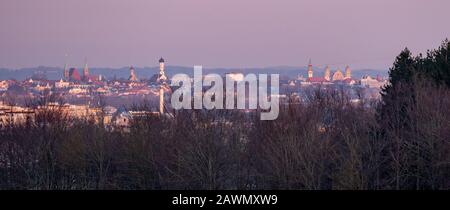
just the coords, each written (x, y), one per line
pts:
(337, 76)
(327, 75)
(132, 77)
(348, 73)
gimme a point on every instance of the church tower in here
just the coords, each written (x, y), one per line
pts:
(337, 76)
(133, 77)
(162, 75)
(66, 72)
(162, 79)
(85, 71)
(327, 75)
(310, 69)
(348, 73)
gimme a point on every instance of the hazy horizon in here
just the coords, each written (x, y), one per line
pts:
(217, 34)
(80, 66)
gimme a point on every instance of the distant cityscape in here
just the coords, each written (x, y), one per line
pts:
(88, 96)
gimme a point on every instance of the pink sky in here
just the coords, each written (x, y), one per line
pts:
(218, 33)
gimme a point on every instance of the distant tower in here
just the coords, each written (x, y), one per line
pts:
(327, 75)
(310, 69)
(348, 73)
(66, 72)
(162, 75)
(162, 79)
(338, 75)
(133, 77)
(85, 70)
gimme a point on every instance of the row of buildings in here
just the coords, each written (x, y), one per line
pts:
(85, 87)
(110, 117)
(337, 77)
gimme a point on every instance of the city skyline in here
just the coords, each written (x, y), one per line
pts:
(228, 34)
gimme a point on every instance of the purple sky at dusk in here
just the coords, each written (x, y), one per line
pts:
(218, 33)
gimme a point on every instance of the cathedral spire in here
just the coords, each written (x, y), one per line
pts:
(85, 69)
(66, 68)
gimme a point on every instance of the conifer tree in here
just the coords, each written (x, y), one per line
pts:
(436, 66)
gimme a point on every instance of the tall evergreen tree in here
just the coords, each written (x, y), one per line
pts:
(436, 66)
(402, 71)
(394, 118)
(399, 90)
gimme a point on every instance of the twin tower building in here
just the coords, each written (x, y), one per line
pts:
(73, 75)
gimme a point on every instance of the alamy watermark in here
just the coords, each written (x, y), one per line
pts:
(213, 97)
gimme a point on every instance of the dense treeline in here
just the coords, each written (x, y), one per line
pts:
(324, 142)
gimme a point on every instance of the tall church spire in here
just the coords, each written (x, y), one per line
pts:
(85, 70)
(66, 69)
